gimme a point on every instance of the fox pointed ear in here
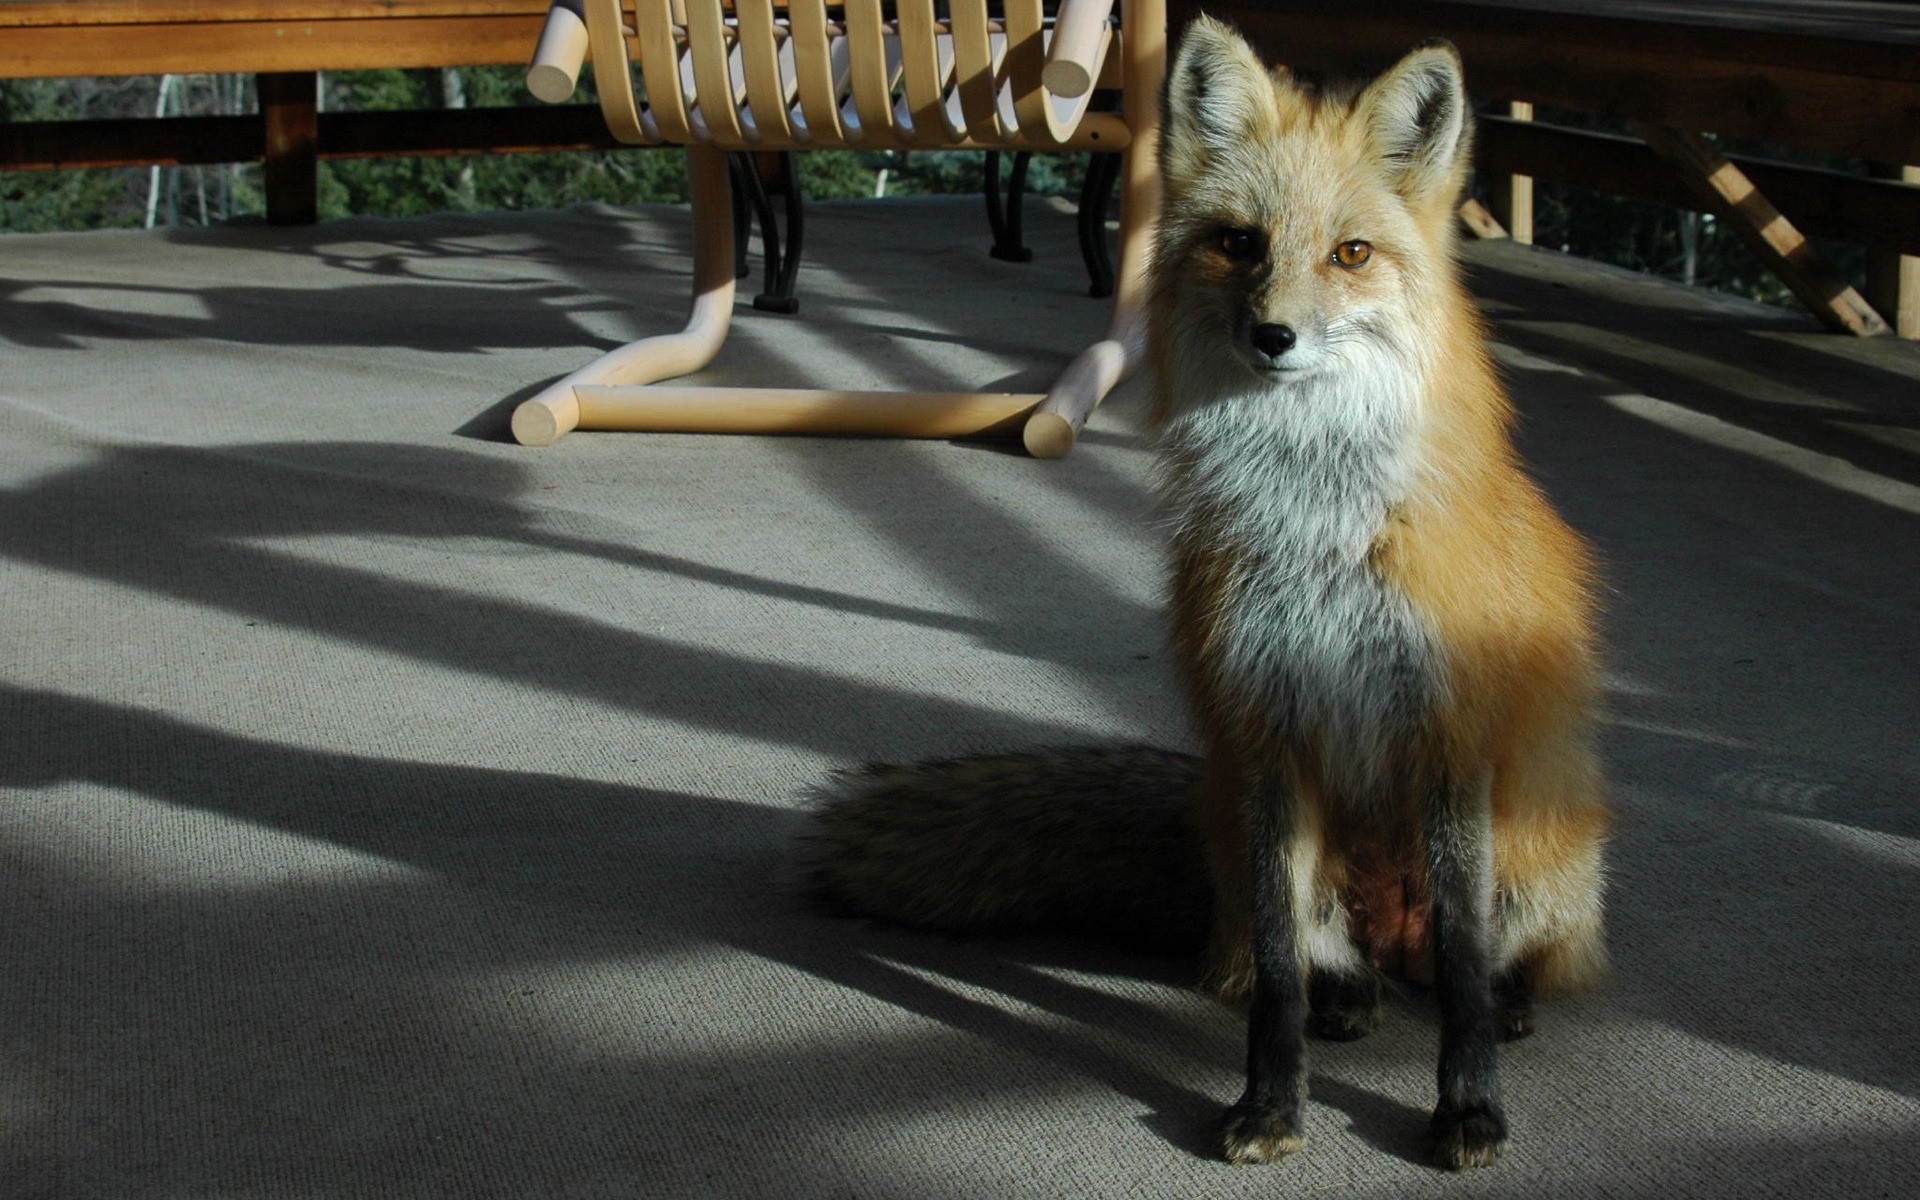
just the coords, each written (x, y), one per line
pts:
(1416, 114)
(1218, 94)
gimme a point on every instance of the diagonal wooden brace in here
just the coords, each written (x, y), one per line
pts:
(1782, 249)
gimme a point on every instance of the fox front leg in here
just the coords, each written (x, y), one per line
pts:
(1468, 1128)
(1266, 1123)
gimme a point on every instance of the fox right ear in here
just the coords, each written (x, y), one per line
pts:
(1418, 116)
(1218, 95)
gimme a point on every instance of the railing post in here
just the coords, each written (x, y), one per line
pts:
(1893, 278)
(1511, 198)
(289, 118)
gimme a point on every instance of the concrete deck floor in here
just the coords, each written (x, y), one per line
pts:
(392, 811)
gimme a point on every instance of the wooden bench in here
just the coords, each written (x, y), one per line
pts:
(1840, 76)
(285, 43)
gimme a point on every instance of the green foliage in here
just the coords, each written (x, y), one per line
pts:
(38, 201)
(45, 201)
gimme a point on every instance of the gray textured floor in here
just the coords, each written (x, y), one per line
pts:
(390, 811)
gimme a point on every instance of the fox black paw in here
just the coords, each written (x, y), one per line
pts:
(1252, 1134)
(1463, 1138)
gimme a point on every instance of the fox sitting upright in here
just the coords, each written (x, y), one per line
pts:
(1385, 632)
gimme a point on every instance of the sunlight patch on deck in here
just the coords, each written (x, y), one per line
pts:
(1810, 464)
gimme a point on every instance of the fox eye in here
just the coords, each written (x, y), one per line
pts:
(1352, 254)
(1239, 244)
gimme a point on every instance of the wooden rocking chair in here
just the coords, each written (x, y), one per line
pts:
(853, 74)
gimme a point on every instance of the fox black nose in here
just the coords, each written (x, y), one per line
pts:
(1273, 340)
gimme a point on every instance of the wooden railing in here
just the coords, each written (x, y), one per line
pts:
(1838, 78)
(285, 43)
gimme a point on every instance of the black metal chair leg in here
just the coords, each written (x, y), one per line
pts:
(737, 166)
(1096, 196)
(751, 204)
(1004, 215)
(779, 296)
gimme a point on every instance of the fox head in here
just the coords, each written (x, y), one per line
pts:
(1305, 232)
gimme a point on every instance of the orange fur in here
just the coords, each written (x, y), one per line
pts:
(1502, 585)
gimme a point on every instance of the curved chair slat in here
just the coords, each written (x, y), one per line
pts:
(870, 69)
(767, 95)
(815, 75)
(924, 78)
(1026, 58)
(715, 101)
(607, 46)
(976, 75)
(659, 60)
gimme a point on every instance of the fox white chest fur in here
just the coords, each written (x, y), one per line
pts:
(1296, 481)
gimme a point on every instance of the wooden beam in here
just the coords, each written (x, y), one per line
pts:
(253, 47)
(132, 142)
(409, 133)
(1846, 208)
(289, 110)
(1774, 241)
(72, 13)
(1511, 196)
(1893, 279)
(1844, 95)
(426, 133)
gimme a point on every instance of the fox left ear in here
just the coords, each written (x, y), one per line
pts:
(1416, 114)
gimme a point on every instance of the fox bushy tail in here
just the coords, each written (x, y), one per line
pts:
(1096, 840)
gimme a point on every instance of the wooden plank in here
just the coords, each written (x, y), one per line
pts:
(1479, 222)
(73, 13)
(439, 132)
(289, 108)
(1865, 54)
(1771, 237)
(252, 47)
(1802, 91)
(133, 142)
(185, 141)
(1511, 196)
(1893, 279)
(1879, 21)
(1847, 208)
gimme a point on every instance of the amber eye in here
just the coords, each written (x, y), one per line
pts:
(1239, 244)
(1352, 254)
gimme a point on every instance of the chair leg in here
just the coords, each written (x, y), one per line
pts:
(543, 419)
(1004, 213)
(742, 212)
(1051, 430)
(783, 263)
(1096, 195)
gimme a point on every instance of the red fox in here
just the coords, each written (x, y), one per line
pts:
(1385, 632)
